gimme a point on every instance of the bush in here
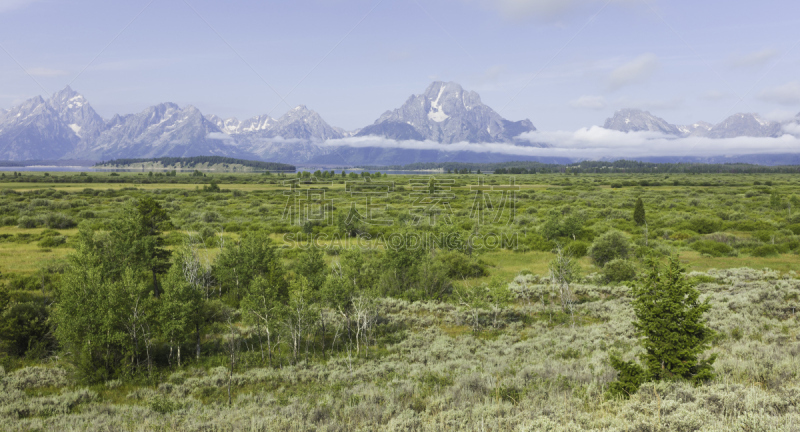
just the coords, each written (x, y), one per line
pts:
(765, 250)
(460, 266)
(611, 245)
(794, 228)
(52, 241)
(705, 224)
(578, 248)
(58, 220)
(619, 270)
(28, 222)
(712, 248)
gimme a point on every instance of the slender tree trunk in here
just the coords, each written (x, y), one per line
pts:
(269, 347)
(197, 327)
(260, 344)
(155, 284)
(322, 321)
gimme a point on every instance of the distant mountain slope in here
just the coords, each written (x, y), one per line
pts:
(446, 113)
(35, 130)
(636, 120)
(737, 125)
(193, 162)
(745, 124)
(161, 130)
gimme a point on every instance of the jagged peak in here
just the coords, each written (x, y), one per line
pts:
(445, 87)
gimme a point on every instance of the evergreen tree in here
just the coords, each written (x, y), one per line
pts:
(669, 316)
(638, 212)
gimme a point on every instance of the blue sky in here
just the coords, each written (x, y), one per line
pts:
(564, 64)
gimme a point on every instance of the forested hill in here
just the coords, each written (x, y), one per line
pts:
(209, 162)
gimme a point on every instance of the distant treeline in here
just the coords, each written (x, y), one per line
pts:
(620, 166)
(191, 162)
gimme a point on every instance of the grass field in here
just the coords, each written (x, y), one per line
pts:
(416, 352)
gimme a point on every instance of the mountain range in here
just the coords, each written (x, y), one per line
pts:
(65, 126)
(737, 125)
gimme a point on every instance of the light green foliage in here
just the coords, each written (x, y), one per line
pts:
(311, 265)
(264, 305)
(619, 270)
(240, 262)
(713, 248)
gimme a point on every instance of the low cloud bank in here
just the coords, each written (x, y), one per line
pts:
(599, 143)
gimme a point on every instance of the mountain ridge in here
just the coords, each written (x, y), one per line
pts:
(736, 125)
(65, 126)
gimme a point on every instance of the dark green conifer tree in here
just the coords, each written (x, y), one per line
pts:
(638, 212)
(669, 317)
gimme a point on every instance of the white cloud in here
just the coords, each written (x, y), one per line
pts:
(599, 143)
(780, 115)
(792, 128)
(589, 102)
(637, 70)
(219, 136)
(46, 72)
(758, 58)
(787, 94)
(8, 5)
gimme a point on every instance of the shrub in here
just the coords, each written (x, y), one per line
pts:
(712, 248)
(58, 220)
(705, 224)
(461, 266)
(765, 250)
(212, 216)
(52, 241)
(619, 270)
(28, 222)
(764, 235)
(749, 225)
(794, 228)
(611, 245)
(578, 248)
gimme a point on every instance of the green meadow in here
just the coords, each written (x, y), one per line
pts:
(431, 302)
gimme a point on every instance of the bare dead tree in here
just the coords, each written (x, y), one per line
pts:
(563, 270)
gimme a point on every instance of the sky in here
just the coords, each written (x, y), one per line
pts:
(563, 64)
